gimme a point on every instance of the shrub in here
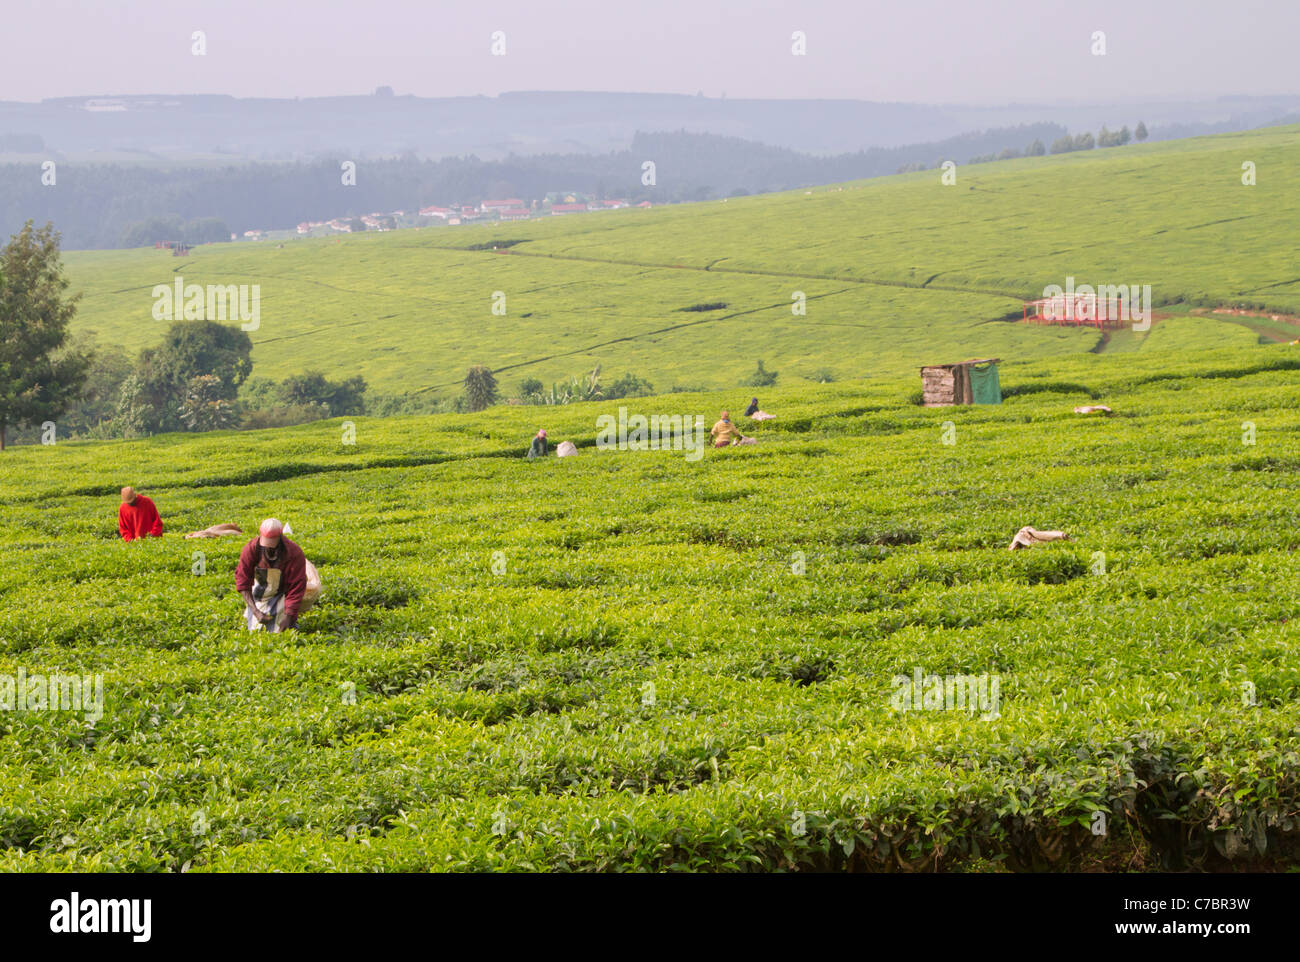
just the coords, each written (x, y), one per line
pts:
(762, 377)
(629, 385)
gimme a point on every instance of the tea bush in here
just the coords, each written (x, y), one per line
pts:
(628, 661)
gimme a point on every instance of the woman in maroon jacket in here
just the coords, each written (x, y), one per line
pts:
(271, 578)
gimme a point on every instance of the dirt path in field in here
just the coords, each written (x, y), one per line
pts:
(1276, 332)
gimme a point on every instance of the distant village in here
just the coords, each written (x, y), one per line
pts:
(556, 204)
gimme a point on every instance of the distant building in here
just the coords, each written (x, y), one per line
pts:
(440, 212)
(557, 209)
(496, 205)
(645, 203)
(513, 213)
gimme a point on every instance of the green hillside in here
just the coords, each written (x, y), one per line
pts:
(897, 271)
(633, 660)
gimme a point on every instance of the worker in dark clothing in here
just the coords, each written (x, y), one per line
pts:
(538, 448)
(272, 579)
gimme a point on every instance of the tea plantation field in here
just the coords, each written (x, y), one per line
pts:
(628, 660)
(895, 272)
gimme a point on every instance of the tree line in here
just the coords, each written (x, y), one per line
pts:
(191, 381)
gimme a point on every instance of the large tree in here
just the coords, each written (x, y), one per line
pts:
(480, 388)
(39, 378)
(163, 374)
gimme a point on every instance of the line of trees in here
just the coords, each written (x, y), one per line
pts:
(1105, 138)
(189, 382)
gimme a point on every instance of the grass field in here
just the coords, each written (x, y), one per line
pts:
(630, 660)
(897, 272)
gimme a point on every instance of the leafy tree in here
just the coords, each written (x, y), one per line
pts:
(1063, 145)
(205, 407)
(629, 385)
(480, 388)
(338, 398)
(189, 349)
(1141, 132)
(38, 379)
(97, 406)
(762, 377)
(1084, 142)
(1036, 149)
(529, 386)
(1124, 135)
(136, 414)
(146, 233)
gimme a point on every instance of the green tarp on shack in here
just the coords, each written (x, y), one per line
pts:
(985, 388)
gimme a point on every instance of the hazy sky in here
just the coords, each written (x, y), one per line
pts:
(957, 51)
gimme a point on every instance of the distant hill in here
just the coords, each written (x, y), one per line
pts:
(170, 129)
(895, 272)
(98, 205)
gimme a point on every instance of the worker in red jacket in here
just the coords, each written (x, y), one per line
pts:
(137, 516)
(271, 578)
